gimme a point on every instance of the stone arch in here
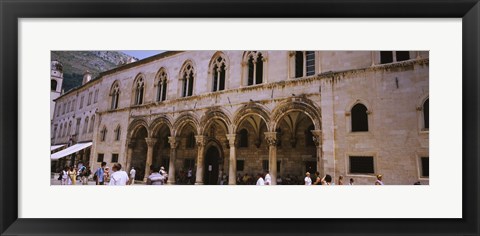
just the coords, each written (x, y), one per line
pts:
(216, 113)
(135, 125)
(248, 110)
(303, 105)
(184, 84)
(184, 119)
(157, 124)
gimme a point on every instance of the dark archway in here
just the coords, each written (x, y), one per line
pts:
(212, 160)
(139, 152)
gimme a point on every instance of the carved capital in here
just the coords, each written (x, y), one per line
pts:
(200, 139)
(348, 113)
(419, 108)
(231, 139)
(317, 137)
(173, 141)
(271, 138)
(151, 141)
(369, 112)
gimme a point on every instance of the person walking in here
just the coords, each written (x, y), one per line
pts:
(268, 178)
(327, 180)
(155, 178)
(308, 180)
(118, 177)
(379, 180)
(64, 175)
(106, 174)
(318, 180)
(72, 175)
(260, 180)
(132, 175)
(351, 181)
(340, 180)
(99, 173)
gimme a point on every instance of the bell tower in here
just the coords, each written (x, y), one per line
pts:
(56, 80)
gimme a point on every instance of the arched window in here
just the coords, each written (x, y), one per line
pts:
(53, 85)
(139, 90)
(190, 140)
(103, 134)
(162, 85)
(85, 125)
(359, 118)
(115, 93)
(426, 114)
(117, 133)
(304, 63)
(92, 122)
(254, 62)
(309, 136)
(187, 77)
(219, 68)
(243, 138)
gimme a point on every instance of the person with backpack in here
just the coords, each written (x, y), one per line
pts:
(98, 177)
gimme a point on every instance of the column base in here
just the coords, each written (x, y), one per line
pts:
(199, 183)
(170, 182)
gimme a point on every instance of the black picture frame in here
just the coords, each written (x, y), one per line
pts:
(11, 11)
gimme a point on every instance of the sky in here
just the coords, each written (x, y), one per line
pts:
(141, 54)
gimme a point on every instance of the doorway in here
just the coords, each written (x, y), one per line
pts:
(211, 166)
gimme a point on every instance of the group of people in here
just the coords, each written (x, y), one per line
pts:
(70, 174)
(327, 180)
(102, 175)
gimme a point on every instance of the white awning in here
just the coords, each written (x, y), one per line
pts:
(55, 147)
(67, 151)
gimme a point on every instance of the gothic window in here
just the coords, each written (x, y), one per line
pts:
(304, 63)
(103, 134)
(393, 56)
(81, 101)
(403, 55)
(53, 85)
(309, 136)
(426, 114)
(424, 169)
(255, 63)
(162, 85)
(243, 138)
(139, 89)
(190, 140)
(114, 93)
(73, 105)
(117, 133)
(85, 125)
(92, 122)
(218, 74)
(187, 77)
(89, 98)
(95, 100)
(359, 118)
(386, 57)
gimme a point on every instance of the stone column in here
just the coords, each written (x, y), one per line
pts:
(200, 139)
(232, 170)
(317, 139)
(128, 161)
(150, 144)
(271, 138)
(173, 155)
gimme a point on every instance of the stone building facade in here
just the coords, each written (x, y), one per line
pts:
(350, 113)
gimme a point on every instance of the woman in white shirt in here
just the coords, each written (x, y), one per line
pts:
(308, 180)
